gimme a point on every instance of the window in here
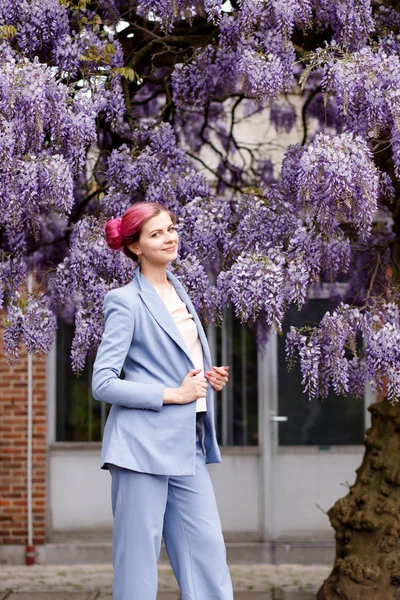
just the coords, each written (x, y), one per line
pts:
(236, 405)
(79, 418)
(335, 420)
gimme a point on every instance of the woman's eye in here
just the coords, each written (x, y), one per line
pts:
(156, 233)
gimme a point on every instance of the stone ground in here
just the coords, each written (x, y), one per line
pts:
(94, 581)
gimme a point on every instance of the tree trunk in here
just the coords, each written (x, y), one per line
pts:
(367, 520)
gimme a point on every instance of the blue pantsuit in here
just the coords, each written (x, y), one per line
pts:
(157, 453)
(183, 510)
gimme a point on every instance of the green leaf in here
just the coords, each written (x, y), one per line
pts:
(109, 48)
(96, 20)
(7, 31)
(127, 73)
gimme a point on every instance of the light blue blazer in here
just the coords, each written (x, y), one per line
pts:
(140, 335)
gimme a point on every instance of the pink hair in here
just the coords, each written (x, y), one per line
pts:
(125, 230)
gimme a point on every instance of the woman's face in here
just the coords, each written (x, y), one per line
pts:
(158, 241)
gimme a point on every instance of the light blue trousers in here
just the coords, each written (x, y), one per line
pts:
(184, 511)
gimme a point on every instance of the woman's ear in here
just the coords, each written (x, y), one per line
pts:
(133, 248)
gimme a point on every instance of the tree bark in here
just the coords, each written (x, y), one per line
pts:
(366, 521)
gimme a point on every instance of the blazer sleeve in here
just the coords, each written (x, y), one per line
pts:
(111, 354)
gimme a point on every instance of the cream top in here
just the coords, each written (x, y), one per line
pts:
(188, 330)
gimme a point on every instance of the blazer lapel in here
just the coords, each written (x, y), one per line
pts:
(163, 317)
(180, 290)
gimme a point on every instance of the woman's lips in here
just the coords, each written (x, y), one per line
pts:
(169, 249)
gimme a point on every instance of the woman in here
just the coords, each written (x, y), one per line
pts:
(160, 431)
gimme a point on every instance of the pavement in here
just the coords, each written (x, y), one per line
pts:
(94, 582)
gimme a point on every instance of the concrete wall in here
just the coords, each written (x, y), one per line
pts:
(80, 492)
(308, 478)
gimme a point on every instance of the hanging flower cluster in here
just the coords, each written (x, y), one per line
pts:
(366, 87)
(337, 181)
(32, 322)
(255, 283)
(348, 348)
(351, 20)
(156, 167)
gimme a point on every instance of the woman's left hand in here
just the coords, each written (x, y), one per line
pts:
(218, 377)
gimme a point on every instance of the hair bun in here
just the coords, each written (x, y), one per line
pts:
(113, 233)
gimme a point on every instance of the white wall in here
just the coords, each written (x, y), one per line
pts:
(307, 477)
(80, 492)
(238, 490)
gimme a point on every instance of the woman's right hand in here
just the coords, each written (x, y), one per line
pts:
(192, 387)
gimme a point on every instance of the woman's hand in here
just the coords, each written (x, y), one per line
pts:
(192, 388)
(218, 377)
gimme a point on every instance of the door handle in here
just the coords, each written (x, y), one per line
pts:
(279, 419)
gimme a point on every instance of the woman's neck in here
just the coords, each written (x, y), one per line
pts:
(156, 275)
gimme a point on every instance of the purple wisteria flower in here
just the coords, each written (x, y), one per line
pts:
(12, 274)
(351, 20)
(169, 11)
(39, 24)
(286, 15)
(366, 88)
(203, 231)
(320, 253)
(31, 321)
(263, 75)
(156, 168)
(255, 284)
(331, 355)
(195, 82)
(337, 180)
(262, 220)
(387, 17)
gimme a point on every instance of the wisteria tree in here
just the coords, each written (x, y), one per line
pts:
(105, 103)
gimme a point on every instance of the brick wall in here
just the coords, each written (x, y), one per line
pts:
(13, 447)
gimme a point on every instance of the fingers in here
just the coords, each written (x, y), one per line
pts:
(201, 384)
(202, 379)
(217, 387)
(218, 374)
(218, 377)
(222, 370)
